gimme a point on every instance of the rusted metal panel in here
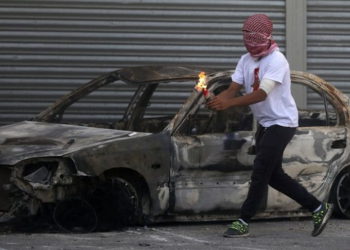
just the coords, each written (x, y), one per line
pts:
(310, 158)
(148, 155)
(26, 139)
(340, 100)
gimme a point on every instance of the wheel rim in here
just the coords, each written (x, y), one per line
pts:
(343, 194)
(126, 201)
(117, 203)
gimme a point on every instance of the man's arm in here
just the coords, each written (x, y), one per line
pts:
(231, 91)
(227, 98)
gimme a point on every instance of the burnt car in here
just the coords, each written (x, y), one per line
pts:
(192, 165)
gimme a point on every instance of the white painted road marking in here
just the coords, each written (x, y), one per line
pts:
(247, 248)
(156, 237)
(180, 236)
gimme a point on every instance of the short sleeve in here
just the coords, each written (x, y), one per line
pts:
(277, 69)
(238, 76)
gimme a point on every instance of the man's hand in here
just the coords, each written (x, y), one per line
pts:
(224, 99)
(219, 103)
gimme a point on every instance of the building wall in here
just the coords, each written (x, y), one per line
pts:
(49, 47)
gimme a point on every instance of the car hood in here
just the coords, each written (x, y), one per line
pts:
(29, 139)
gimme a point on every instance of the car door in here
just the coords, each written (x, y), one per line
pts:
(314, 152)
(213, 156)
(212, 164)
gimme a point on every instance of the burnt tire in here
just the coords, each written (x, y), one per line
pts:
(75, 216)
(118, 203)
(341, 195)
(125, 201)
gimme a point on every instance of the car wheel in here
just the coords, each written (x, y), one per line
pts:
(75, 216)
(125, 201)
(120, 202)
(341, 195)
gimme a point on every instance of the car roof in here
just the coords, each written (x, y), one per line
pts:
(150, 74)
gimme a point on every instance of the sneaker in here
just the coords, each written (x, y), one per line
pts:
(237, 229)
(321, 218)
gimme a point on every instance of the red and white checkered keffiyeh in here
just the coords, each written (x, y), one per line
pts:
(257, 35)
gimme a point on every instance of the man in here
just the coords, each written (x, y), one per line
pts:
(264, 73)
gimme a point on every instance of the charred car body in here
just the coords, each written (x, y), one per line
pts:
(195, 165)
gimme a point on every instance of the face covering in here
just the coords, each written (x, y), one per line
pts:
(257, 30)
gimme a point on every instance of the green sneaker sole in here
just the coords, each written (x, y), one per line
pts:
(319, 230)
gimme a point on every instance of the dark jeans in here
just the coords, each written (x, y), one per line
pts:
(267, 170)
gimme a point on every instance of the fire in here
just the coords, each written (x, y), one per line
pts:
(201, 86)
(202, 82)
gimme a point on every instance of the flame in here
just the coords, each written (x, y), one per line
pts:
(202, 82)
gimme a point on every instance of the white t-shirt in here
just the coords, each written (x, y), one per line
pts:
(279, 107)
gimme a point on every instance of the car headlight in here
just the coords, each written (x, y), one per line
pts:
(40, 172)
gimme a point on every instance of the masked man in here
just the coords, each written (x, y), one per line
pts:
(264, 73)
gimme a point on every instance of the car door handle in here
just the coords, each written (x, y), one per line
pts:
(339, 143)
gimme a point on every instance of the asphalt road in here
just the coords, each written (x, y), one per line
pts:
(266, 234)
